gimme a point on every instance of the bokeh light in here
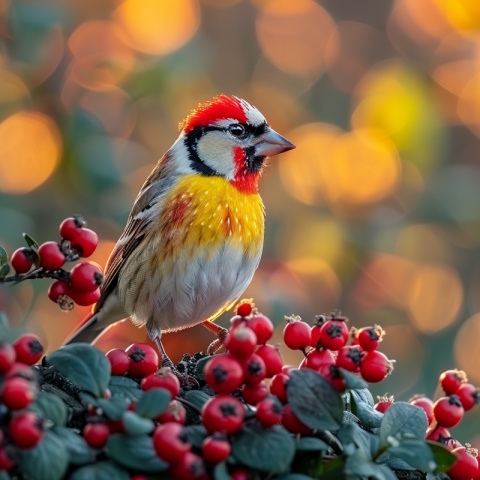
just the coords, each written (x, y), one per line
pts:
(467, 353)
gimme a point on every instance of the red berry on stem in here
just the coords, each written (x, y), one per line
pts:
(7, 357)
(375, 366)
(254, 370)
(316, 358)
(272, 358)
(316, 330)
(448, 411)
(287, 369)
(60, 292)
(425, 403)
(26, 429)
(349, 358)
(237, 320)
(253, 394)
(223, 413)
(223, 373)
(384, 403)
(18, 393)
(296, 335)
(334, 334)
(115, 426)
(96, 434)
(240, 341)
(292, 423)
(451, 380)
(438, 434)
(262, 327)
(190, 467)
(245, 308)
(241, 474)
(269, 412)
(119, 361)
(22, 259)
(369, 337)
(51, 256)
(175, 412)
(170, 442)
(469, 395)
(86, 277)
(86, 299)
(164, 378)
(216, 449)
(278, 386)
(71, 226)
(28, 348)
(20, 370)
(333, 375)
(84, 242)
(143, 360)
(466, 466)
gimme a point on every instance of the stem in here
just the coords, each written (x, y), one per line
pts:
(330, 440)
(188, 404)
(59, 274)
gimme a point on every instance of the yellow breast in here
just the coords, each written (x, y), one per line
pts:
(206, 211)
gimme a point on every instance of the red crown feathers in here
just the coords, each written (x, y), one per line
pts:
(220, 107)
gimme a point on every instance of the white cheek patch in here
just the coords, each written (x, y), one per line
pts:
(216, 151)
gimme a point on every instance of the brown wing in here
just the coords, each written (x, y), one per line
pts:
(137, 228)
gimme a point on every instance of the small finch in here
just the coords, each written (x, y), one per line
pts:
(194, 237)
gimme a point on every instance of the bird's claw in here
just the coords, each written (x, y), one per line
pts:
(217, 344)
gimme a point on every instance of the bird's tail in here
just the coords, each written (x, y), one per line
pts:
(87, 331)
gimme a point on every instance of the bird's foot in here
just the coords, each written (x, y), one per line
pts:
(218, 344)
(185, 380)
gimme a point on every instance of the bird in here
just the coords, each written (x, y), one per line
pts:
(194, 237)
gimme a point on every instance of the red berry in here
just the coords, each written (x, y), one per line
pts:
(96, 434)
(333, 375)
(334, 334)
(17, 393)
(119, 361)
(223, 413)
(223, 373)
(244, 309)
(448, 411)
(286, 369)
(316, 358)
(170, 442)
(143, 360)
(296, 334)
(426, 404)
(269, 412)
(51, 256)
(272, 358)
(375, 366)
(61, 293)
(384, 403)
(349, 358)
(138, 477)
(241, 474)
(253, 394)
(292, 423)
(438, 434)
(254, 370)
(20, 370)
(22, 259)
(469, 395)
(241, 341)
(28, 348)
(86, 299)
(466, 466)
(263, 328)
(216, 449)
(84, 242)
(315, 335)
(190, 467)
(26, 429)
(71, 226)
(237, 320)
(278, 387)
(369, 337)
(175, 412)
(451, 381)
(7, 357)
(86, 277)
(115, 426)
(6, 462)
(164, 378)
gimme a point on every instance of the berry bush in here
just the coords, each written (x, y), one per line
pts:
(78, 414)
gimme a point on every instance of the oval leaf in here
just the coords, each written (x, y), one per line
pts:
(353, 381)
(125, 387)
(113, 407)
(200, 366)
(3, 256)
(416, 453)
(443, 457)
(314, 400)
(197, 398)
(105, 470)
(136, 425)
(51, 407)
(311, 444)
(153, 403)
(221, 472)
(271, 450)
(78, 450)
(196, 434)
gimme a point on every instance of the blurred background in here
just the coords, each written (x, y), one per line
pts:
(377, 212)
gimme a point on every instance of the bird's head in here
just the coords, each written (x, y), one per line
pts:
(228, 137)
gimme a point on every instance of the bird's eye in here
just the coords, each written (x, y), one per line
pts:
(237, 130)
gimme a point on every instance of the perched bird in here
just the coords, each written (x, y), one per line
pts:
(194, 237)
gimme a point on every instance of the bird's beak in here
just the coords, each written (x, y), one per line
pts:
(272, 143)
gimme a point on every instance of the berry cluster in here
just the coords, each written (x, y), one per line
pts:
(82, 284)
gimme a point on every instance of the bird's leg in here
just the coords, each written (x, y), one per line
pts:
(221, 334)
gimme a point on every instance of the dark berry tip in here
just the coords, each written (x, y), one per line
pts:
(79, 221)
(35, 347)
(220, 374)
(98, 278)
(228, 410)
(334, 331)
(138, 355)
(455, 400)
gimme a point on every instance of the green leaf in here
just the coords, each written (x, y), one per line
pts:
(136, 453)
(415, 452)
(113, 407)
(105, 470)
(368, 416)
(3, 256)
(294, 476)
(34, 247)
(271, 450)
(402, 419)
(125, 387)
(51, 407)
(314, 400)
(395, 463)
(361, 396)
(197, 398)
(350, 433)
(4, 270)
(311, 444)
(361, 464)
(153, 403)
(79, 451)
(200, 366)
(4, 475)
(221, 472)
(353, 381)
(48, 461)
(196, 434)
(349, 417)
(136, 425)
(444, 458)
(83, 364)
